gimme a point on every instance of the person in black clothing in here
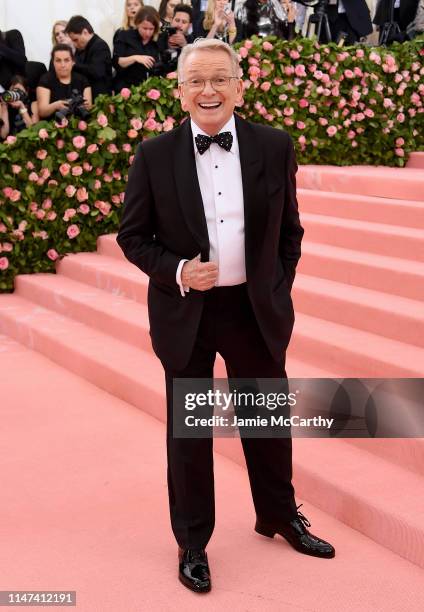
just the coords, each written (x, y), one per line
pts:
(136, 52)
(403, 14)
(267, 18)
(352, 19)
(12, 56)
(171, 42)
(93, 58)
(55, 87)
(23, 113)
(130, 11)
(166, 11)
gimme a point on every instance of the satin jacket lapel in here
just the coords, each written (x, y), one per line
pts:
(188, 189)
(254, 192)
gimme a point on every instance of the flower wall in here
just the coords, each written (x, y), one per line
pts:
(63, 186)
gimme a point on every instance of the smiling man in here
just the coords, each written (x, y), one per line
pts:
(211, 217)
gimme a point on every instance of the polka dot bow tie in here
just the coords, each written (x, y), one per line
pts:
(224, 139)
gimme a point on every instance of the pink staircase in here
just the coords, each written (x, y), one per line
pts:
(358, 297)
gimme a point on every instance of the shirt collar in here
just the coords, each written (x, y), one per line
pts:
(230, 126)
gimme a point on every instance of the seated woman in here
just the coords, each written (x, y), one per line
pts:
(136, 51)
(219, 21)
(59, 35)
(12, 56)
(166, 12)
(57, 87)
(268, 18)
(22, 113)
(131, 9)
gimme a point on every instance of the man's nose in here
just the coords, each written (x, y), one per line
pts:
(208, 89)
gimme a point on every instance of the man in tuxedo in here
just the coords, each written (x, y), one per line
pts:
(211, 217)
(351, 17)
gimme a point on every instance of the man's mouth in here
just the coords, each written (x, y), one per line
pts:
(209, 105)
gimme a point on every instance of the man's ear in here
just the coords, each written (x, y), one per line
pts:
(182, 100)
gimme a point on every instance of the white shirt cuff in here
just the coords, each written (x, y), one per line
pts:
(183, 290)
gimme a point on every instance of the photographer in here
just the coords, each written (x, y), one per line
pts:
(220, 22)
(348, 19)
(175, 37)
(20, 111)
(268, 18)
(136, 52)
(56, 88)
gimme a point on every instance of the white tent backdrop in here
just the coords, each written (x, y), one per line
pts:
(34, 19)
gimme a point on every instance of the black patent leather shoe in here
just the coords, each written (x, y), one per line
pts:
(298, 536)
(194, 569)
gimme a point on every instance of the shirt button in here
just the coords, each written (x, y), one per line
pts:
(219, 193)
(216, 166)
(222, 220)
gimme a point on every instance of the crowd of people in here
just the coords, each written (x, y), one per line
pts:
(149, 42)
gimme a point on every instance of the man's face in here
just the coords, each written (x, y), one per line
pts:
(80, 41)
(208, 108)
(181, 21)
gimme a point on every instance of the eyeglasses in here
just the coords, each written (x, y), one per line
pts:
(218, 83)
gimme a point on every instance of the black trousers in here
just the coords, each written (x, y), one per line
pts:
(227, 326)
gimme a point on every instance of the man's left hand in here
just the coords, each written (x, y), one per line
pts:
(177, 40)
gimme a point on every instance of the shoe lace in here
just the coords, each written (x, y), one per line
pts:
(302, 517)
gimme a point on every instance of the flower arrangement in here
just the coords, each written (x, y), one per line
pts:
(61, 186)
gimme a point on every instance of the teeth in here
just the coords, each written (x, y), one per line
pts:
(211, 105)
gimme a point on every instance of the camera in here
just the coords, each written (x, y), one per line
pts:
(170, 30)
(14, 95)
(75, 107)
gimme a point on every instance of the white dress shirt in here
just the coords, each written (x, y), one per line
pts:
(219, 175)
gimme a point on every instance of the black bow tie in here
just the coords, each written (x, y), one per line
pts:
(224, 139)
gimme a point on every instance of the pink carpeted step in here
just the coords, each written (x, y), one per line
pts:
(416, 160)
(371, 237)
(379, 181)
(406, 452)
(380, 313)
(353, 352)
(403, 213)
(93, 470)
(360, 268)
(135, 376)
(107, 245)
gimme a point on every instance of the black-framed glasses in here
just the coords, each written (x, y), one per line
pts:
(218, 83)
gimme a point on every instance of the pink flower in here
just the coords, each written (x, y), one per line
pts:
(70, 191)
(104, 207)
(4, 263)
(153, 94)
(64, 169)
(248, 44)
(136, 123)
(288, 70)
(150, 124)
(112, 148)
(72, 155)
(300, 70)
(401, 117)
(288, 111)
(294, 54)
(171, 75)
(41, 154)
(267, 46)
(312, 109)
(84, 209)
(302, 140)
(22, 226)
(69, 213)
(349, 74)
(125, 93)
(322, 121)
(277, 81)
(10, 140)
(266, 86)
(16, 169)
(33, 177)
(40, 214)
(47, 204)
(73, 231)
(331, 130)
(82, 126)
(15, 196)
(116, 199)
(76, 171)
(33, 206)
(52, 254)
(51, 215)
(3, 228)
(351, 134)
(102, 120)
(368, 112)
(7, 247)
(92, 148)
(132, 133)
(288, 121)
(400, 142)
(82, 194)
(243, 52)
(60, 143)
(303, 103)
(43, 134)
(300, 125)
(78, 142)
(97, 184)
(400, 152)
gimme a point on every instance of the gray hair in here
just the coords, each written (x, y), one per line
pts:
(208, 44)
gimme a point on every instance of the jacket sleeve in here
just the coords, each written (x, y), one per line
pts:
(14, 50)
(137, 230)
(98, 64)
(291, 230)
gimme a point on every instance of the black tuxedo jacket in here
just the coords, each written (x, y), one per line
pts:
(163, 221)
(358, 16)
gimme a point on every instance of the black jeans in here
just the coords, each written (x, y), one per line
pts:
(227, 326)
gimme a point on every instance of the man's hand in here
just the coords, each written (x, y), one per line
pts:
(199, 275)
(177, 40)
